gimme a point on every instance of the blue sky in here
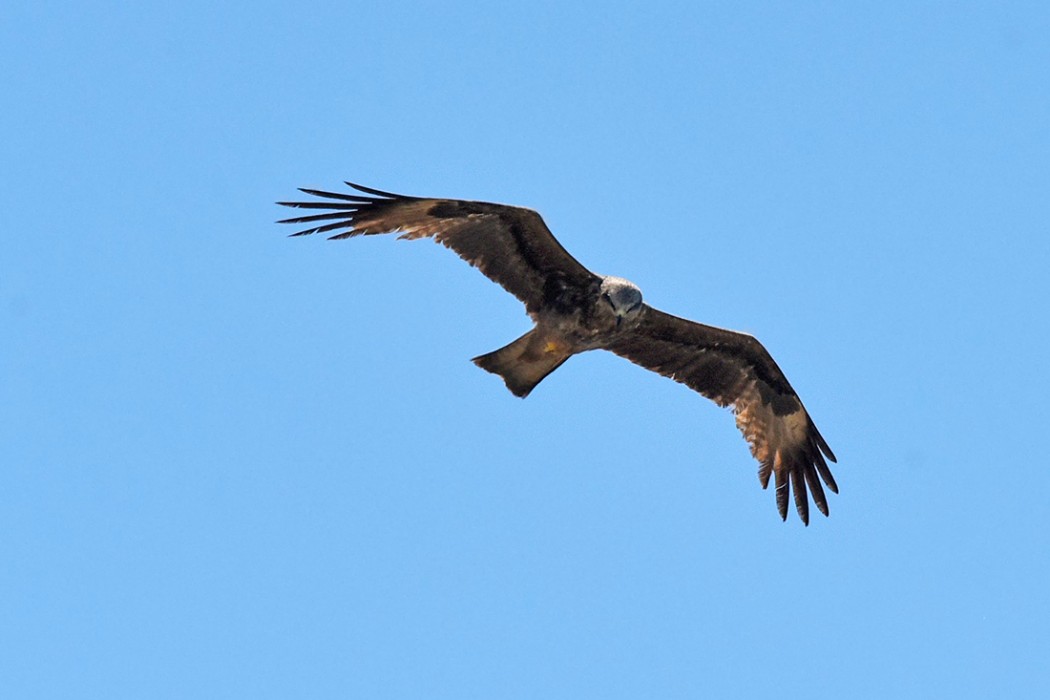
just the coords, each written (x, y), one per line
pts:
(234, 464)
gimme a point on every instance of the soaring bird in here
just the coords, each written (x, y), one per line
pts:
(576, 310)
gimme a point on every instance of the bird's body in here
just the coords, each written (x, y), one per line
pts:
(576, 310)
(602, 311)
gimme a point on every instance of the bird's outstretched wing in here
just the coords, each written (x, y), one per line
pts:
(510, 245)
(734, 369)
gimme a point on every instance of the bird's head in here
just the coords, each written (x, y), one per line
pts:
(623, 296)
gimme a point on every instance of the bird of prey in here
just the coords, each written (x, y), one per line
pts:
(576, 310)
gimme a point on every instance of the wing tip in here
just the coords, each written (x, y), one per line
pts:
(765, 469)
(797, 480)
(798, 485)
(375, 192)
(821, 443)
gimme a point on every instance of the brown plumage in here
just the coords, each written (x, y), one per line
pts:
(576, 310)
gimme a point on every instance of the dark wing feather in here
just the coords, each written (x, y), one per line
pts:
(734, 369)
(510, 245)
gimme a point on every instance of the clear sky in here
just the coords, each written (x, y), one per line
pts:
(235, 464)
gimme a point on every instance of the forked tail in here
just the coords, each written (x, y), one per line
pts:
(524, 363)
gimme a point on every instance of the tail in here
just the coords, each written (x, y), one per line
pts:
(524, 363)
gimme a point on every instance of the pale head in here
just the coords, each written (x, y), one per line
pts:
(623, 296)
